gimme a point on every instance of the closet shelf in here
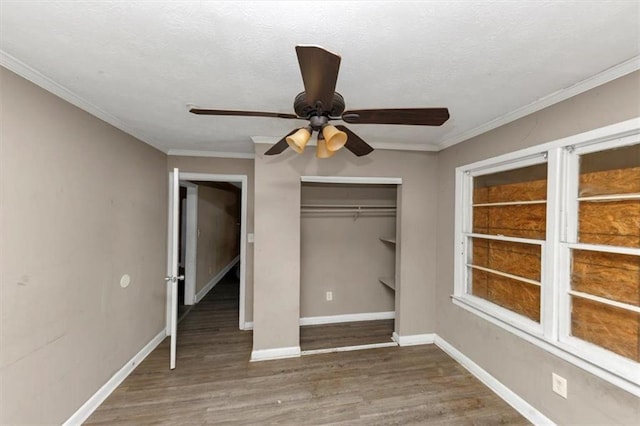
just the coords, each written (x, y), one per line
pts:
(389, 282)
(391, 240)
(355, 209)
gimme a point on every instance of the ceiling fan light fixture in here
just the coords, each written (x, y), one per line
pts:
(299, 139)
(321, 150)
(335, 138)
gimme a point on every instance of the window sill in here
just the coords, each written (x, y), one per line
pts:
(540, 341)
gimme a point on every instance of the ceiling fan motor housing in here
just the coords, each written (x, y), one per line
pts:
(302, 107)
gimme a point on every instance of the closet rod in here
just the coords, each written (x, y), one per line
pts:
(348, 206)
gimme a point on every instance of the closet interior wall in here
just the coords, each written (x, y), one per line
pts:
(341, 251)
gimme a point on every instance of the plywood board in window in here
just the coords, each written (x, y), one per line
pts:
(619, 181)
(518, 259)
(606, 326)
(610, 275)
(611, 223)
(517, 296)
(526, 221)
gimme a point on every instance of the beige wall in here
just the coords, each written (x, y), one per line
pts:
(218, 232)
(277, 238)
(81, 204)
(521, 366)
(227, 166)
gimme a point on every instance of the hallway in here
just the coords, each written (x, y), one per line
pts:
(214, 382)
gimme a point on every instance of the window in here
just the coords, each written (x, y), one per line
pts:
(548, 247)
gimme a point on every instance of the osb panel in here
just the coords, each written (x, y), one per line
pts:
(621, 181)
(518, 259)
(481, 220)
(615, 223)
(480, 195)
(528, 221)
(611, 328)
(609, 275)
(479, 281)
(522, 191)
(519, 297)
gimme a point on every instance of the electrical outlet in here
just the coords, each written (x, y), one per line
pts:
(559, 385)
(329, 296)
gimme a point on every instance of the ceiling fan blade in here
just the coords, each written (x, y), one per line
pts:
(411, 116)
(281, 145)
(354, 143)
(200, 111)
(319, 70)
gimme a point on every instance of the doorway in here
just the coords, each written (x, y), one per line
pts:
(188, 241)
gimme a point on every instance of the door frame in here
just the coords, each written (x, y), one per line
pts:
(211, 177)
(190, 219)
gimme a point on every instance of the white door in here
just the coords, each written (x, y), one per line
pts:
(172, 267)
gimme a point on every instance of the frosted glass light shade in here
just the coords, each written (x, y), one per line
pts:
(335, 138)
(298, 140)
(322, 151)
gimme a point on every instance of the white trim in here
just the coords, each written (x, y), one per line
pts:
(505, 238)
(619, 134)
(604, 77)
(509, 203)
(191, 249)
(506, 275)
(34, 76)
(215, 154)
(243, 180)
(216, 279)
(631, 251)
(333, 319)
(605, 301)
(612, 197)
(552, 348)
(101, 394)
(352, 179)
(414, 339)
(248, 325)
(510, 397)
(348, 348)
(275, 353)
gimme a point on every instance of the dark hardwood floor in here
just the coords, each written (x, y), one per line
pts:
(214, 382)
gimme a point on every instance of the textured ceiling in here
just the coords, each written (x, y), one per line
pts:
(139, 64)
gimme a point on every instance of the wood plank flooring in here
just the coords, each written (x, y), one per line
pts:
(214, 382)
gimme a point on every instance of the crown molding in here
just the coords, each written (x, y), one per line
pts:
(34, 76)
(217, 154)
(398, 146)
(617, 71)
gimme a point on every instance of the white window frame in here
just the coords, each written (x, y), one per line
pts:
(553, 332)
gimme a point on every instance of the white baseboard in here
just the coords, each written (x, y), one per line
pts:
(333, 319)
(216, 279)
(98, 398)
(414, 339)
(277, 353)
(348, 348)
(248, 325)
(510, 397)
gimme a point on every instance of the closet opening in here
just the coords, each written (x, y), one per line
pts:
(348, 257)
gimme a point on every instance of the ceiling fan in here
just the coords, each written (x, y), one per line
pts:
(319, 104)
